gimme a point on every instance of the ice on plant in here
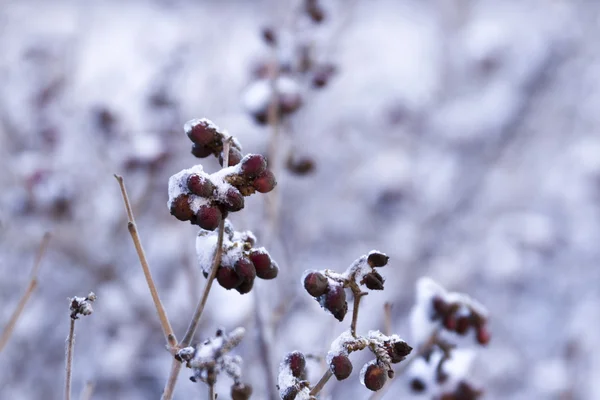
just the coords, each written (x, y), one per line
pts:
(340, 345)
(363, 370)
(206, 246)
(189, 125)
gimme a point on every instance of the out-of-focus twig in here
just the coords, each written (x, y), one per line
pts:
(88, 390)
(69, 362)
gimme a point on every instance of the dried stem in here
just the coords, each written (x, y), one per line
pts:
(33, 282)
(191, 330)
(211, 391)
(88, 390)
(358, 294)
(324, 379)
(69, 366)
(132, 227)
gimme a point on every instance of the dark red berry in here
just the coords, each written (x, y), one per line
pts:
(270, 273)
(450, 322)
(253, 165)
(262, 262)
(200, 185)
(203, 133)
(335, 301)
(375, 377)
(289, 393)
(373, 280)
(398, 351)
(265, 182)
(462, 325)
(245, 286)
(440, 306)
(315, 283)
(201, 151)
(233, 200)
(377, 259)
(244, 268)
(341, 367)
(483, 335)
(228, 278)
(208, 217)
(180, 208)
(296, 362)
(241, 391)
(235, 156)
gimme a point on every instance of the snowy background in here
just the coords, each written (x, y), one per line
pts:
(460, 137)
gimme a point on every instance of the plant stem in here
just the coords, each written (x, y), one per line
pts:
(211, 392)
(387, 318)
(33, 282)
(324, 379)
(358, 294)
(264, 349)
(132, 227)
(172, 381)
(69, 367)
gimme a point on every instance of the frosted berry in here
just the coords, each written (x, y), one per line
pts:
(265, 182)
(253, 165)
(376, 259)
(289, 393)
(200, 186)
(245, 286)
(483, 335)
(203, 133)
(315, 283)
(201, 151)
(180, 208)
(241, 391)
(335, 301)
(244, 268)
(270, 273)
(262, 262)
(341, 367)
(228, 278)
(233, 200)
(375, 377)
(373, 280)
(208, 217)
(296, 362)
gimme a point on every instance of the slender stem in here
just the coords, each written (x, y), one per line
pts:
(358, 294)
(387, 321)
(324, 379)
(133, 231)
(88, 390)
(69, 367)
(265, 350)
(211, 392)
(191, 330)
(33, 283)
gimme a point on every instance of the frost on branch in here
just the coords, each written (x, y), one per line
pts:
(241, 261)
(438, 320)
(81, 305)
(209, 359)
(292, 383)
(327, 287)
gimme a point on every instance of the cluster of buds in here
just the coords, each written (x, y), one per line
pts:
(292, 381)
(438, 320)
(81, 305)
(388, 350)
(205, 199)
(209, 359)
(327, 287)
(241, 261)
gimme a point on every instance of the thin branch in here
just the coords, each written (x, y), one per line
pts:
(33, 283)
(189, 334)
(324, 379)
(132, 227)
(69, 366)
(357, 296)
(88, 390)
(387, 318)
(211, 391)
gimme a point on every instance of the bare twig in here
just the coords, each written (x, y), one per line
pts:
(33, 282)
(191, 330)
(211, 391)
(88, 390)
(324, 379)
(69, 363)
(387, 318)
(358, 294)
(264, 349)
(132, 227)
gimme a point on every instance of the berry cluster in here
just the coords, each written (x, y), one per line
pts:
(292, 381)
(205, 199)
(459, 314)
(241, 262)
(208, 140)
(388, 350)
(327, 287)
(211, 357)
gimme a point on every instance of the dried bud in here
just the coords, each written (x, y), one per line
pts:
(374, 376)
(180, 208)
(373, 280)
(483, 335)
(241, 391)
(228, 278)
(296, 362)
(377, 259)
(335, 301)
(417, 385)
(398, 351)
(200, 185)
(208, 217)
(315, 283)
(265, 182)
(341, 366)
(269, 36)
(253, 165)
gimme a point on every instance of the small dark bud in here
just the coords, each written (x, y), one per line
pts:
(265, 182)
(373, 280)
(180, 208)
(315, 283)
(241, 391)
(201, 151)
(208, 217)
(228, 278)
(269, 36)
(297, 363)
(300, 166)
(341, 367)
(417, 385)
(314, 11)
(322, 74)
(377, 259)
(253, 165)
(375, 377)
(200, 186)
(398, 351)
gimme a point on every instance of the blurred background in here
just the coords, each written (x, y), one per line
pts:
(458, 136)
